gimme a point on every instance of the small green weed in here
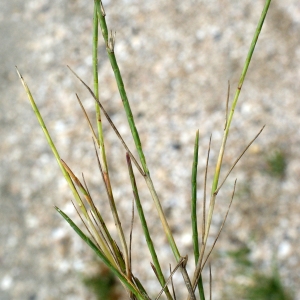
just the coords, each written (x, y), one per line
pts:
(276, 163)
(241, 256)
(257, 285)
(266, 287)
(103, 284)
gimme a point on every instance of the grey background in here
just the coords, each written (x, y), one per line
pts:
(176, 58)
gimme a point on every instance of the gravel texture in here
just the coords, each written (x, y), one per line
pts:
(176, 58)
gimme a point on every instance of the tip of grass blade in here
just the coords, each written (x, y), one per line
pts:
(18, 72)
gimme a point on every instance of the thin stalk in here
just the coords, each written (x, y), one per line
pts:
(109, 121)
(87, 119)
(140, 210)
(210, 283)
(112, 242)
(194, 211)
(100, 140)
(51, 144)
(100, 241)
(237, 160)
(182, 261)
(141, 288)
(147, 179)
(99, 253)
(64, 171)
(222, 225)
(226, 131)
(169, 236)
(173, 288)
(238, 91)
(204, 193)
(96, 83)
(59, 161)
(110, 42)
(194, 199)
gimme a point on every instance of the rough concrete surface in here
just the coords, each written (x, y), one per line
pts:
(176, 58)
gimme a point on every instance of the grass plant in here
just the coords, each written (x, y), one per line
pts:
(276, 163)
(118, 257)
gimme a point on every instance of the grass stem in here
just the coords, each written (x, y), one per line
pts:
(140, 210)
(226, 132)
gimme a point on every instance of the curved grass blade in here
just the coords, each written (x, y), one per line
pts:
(226, 131)
(194, 211)
(110, 122)
(222, 225)
(237, 160)
(52, 146)
(152, 191)
(99, 253)
(182, 261)
(172, 284)
(140, 210)
(102, 242)
(100, 139)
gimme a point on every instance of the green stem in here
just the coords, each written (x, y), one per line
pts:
(99, 253)
(96, 83)
(226, 132)
(63, 169)
(145, 228)
(109, 41)
(194, 199)
(194, 212)
(52, 146)
(103, 158)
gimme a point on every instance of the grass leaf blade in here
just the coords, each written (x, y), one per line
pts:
(100, 254)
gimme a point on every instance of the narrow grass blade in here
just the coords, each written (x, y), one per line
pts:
(210, 283)
(182, 261)
(237, 160)
(172, 284)
(170, 237)
(106, 235)
(152, 191)
(227, 102)
(130, 239)
(100, 136)
(222, 225)
(110, 42)
(140, 210)
(194, 211)
(102, 256)
(64, 171)
(96, 83)
(102, 242)
(194, 199)
(51, 144)
(141, 288)
(87, 119)
(226, 131)
(204, 192)
(110, 122)
(57, 156)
